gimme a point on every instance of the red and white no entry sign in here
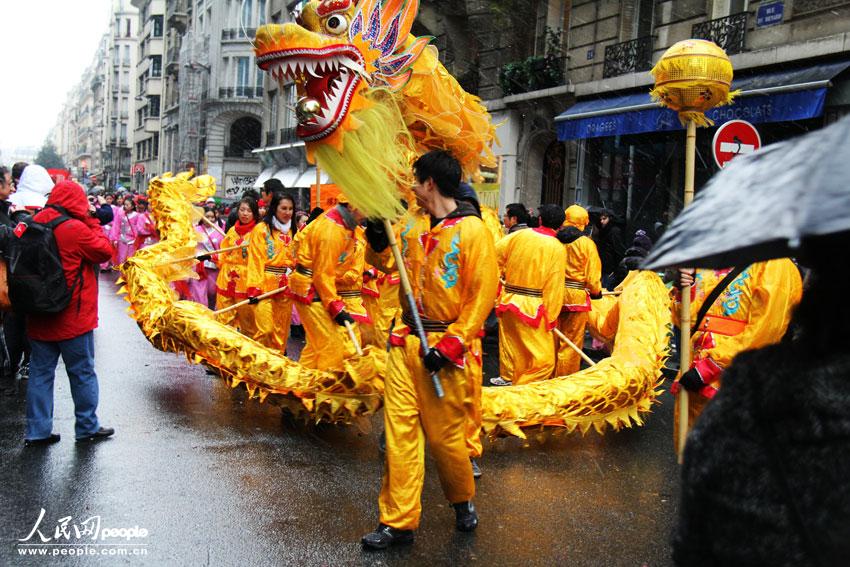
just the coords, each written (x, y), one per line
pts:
(734, 138)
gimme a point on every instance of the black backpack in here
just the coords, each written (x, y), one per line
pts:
(36, 278)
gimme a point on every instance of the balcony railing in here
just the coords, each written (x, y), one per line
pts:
(240, 92)
(270, 139)
(287, 136)
(628, 57)
(807, 6)
(729, 33)
(243, 34)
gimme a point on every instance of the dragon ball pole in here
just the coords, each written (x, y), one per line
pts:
(685, 316)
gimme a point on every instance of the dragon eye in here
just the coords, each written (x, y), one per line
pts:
(336, 24)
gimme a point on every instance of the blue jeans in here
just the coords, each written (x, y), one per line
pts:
(78, 355)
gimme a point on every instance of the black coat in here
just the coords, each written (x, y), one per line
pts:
(766, 477)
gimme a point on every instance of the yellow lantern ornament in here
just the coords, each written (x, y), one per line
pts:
(692, 77)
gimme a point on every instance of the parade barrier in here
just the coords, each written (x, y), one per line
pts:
(614, 393)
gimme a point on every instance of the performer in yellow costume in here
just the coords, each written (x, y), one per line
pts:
(326, 285)
(533, 263)
(381, 299)
(454, 279)
(582, 281)
(271, 258)
(232, 281)
(753, 311)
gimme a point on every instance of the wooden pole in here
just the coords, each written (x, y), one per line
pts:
(685, 314)
(247, 301)
(350, 328)
(213, 225)
(212, 253)
(318, 186)
(411, 303)
(615, 292)
(573, 346)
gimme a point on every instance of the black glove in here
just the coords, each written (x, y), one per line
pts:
(342, 318)
(692, 381)
(569, 234)
(204, 257)
(253, 300)
(376, 235)
(434, 360)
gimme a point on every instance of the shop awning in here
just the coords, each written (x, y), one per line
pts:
(781, 96)
(264, 176)
(308, 178)
(288, 176)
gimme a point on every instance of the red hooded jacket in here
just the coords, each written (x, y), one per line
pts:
(80, 241)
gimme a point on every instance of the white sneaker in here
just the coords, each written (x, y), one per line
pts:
(499, 381)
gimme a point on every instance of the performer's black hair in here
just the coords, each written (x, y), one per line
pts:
(519, 212)
(277, 197)
(443, 168)
(551, 216)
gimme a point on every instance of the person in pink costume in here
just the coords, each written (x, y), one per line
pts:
(202, 290)
(123, 235)
(144, 225)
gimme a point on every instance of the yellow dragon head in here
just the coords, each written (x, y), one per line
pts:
(337, 49)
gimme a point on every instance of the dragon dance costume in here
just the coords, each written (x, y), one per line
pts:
(533, 264)
(328, 278)
(381, 300)
(753, 311)
(271, 258)
(232, 282)
(582, 279)
(454, 279)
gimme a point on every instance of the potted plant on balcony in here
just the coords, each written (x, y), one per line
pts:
(535, 72)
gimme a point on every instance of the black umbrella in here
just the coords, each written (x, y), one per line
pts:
(764, 205)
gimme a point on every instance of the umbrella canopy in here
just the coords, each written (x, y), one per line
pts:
(764, 205)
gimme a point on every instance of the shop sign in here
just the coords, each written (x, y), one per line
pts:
(235, 185)
(770, 14)
(734, 138)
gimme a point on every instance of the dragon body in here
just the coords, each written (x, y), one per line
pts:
(371, 98)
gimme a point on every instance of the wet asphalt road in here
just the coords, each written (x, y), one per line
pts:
(218, 480)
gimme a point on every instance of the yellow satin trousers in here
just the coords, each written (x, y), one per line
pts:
(242, 318)
(327, 343)
(412, 414)
(572, 324)
(526, 354)
(382, 310)
(273, 317)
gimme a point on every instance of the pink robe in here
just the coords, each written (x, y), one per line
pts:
(202, 290)
(124, 235)
(145, 230)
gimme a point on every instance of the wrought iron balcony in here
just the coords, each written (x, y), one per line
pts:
(287, 135)
(729, 32)
(270, 138)
(244, 34)
(628, 57)
(239, 92)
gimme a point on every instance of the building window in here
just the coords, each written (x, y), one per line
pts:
(128, 28)
(247, 13)
(156, 145)
(157, 26)
(153, 105)
(261, 11)
(156, 65)
(273, 111)
(244, 137)
(242, 75)
(126, 59)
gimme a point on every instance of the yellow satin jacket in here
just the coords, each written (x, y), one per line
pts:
(533, 263)
(232, 279)
(329, 260)
(270, 257)
(583, 274)
(753, 311)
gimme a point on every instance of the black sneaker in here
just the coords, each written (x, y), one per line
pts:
(53, 438)
(385, 536)
(476, 470)
(466, 518)
(101, 433)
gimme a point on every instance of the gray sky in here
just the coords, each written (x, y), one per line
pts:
(45, 46)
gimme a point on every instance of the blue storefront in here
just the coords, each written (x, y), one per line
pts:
(629, 149)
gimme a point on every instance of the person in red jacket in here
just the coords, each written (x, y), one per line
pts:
(82, 245)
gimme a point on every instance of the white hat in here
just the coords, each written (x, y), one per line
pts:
(33, 187)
